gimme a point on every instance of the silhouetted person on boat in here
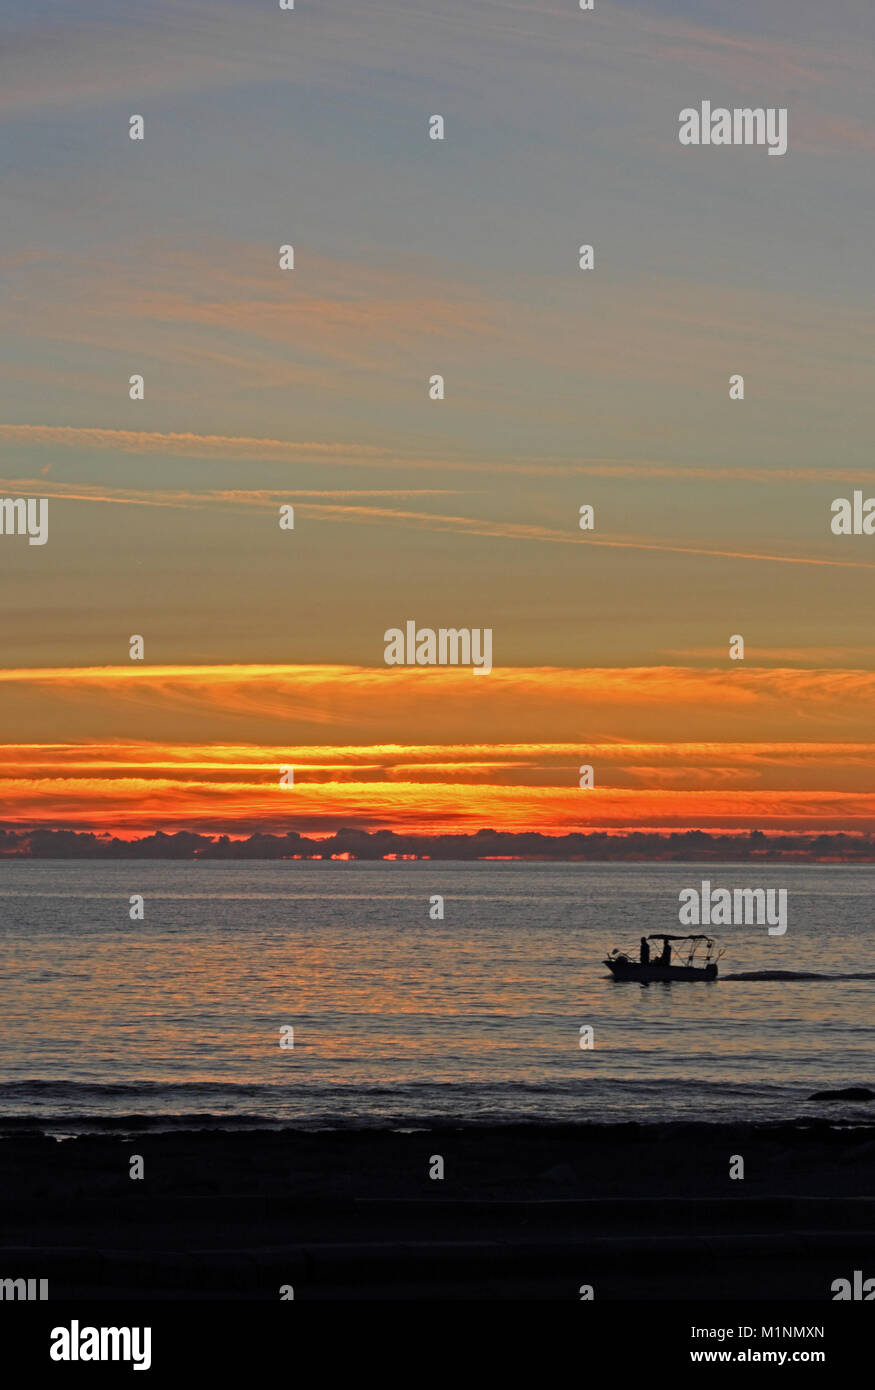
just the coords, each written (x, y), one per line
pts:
(665, 958)
(645, 951)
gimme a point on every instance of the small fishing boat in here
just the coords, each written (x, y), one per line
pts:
(623, 965)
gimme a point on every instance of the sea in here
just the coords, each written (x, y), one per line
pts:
(323, 995)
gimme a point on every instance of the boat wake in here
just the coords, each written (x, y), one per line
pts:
(793, 975)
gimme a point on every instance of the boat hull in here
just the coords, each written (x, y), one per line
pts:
(634, 970)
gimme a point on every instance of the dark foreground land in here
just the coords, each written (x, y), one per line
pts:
(637, 1212)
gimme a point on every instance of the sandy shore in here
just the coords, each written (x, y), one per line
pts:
(639, 1212)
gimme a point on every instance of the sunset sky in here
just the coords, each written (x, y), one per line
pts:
(264, 647)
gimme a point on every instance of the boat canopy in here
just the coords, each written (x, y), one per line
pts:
(658, 936)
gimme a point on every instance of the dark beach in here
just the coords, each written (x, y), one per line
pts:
(638, 1212)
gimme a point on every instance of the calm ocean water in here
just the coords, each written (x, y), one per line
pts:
(399, 1020)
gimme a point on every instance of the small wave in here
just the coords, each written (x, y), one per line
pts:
(848, 1093)
(793, 975)
(70, 1090)
(64, 1123)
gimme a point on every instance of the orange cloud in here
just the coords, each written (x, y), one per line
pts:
(360, 514)
(201, 747)
(446, 705)
(205, 497)
(149, 803)
(186, 444)
(207, 447)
